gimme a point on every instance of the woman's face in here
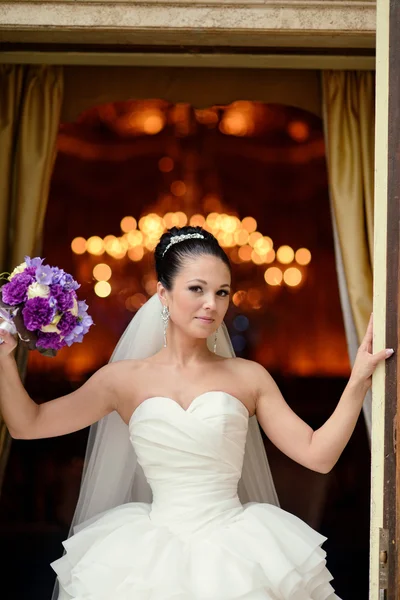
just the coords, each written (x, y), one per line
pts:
(200, 295)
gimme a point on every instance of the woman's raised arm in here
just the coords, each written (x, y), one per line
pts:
(27, 420)
(318, 450)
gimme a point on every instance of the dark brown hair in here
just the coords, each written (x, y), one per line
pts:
(169, 263)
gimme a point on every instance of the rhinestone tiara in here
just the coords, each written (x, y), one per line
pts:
(182, 238)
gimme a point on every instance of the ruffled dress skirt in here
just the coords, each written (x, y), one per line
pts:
(262, 553)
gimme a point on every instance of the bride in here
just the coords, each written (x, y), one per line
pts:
(176, 432)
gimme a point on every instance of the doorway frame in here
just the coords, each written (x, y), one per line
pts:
(318, 35)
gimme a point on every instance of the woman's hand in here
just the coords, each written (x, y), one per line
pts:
(366, 362)
(7, 342)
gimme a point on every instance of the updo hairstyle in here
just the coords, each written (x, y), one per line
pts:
(170, 261)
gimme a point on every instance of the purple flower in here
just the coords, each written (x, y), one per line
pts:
(33, 262)
(84, 319)
(82, 308)
(58, 275)
(65, 300)
(50, 340)
(37, 313)
(86, 323)
(79, 331)
(69, 283)
(52, 302)
(76, 335)
(44, 275)
(15, 291)
(67, 323)
(62, 278)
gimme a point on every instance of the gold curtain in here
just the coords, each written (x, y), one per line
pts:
(349, 114)
(30, 107)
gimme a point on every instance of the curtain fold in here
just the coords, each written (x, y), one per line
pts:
(30, 108)
(349, 122)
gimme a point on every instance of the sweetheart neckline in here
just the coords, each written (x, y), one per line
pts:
(191, 403)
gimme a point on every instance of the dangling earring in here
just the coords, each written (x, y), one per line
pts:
(165, 318)
(215, 341)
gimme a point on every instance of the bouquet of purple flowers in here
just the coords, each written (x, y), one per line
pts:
(40, 304)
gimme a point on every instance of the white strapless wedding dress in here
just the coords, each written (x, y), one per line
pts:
(196, 541)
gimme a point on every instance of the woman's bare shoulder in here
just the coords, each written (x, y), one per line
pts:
(250, 371)
(127, 365)
(244, 365)
(120, 373)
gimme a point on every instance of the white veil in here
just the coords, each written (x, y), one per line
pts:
(111, 474)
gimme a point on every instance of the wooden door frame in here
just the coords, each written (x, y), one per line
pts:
(385, 480)
(305, 34)
(391, 512)
(318, 24)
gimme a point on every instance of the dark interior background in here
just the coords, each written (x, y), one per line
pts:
(248, 159)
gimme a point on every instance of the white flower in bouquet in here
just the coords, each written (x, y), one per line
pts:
(52, 327)
(38, 290)
(17, 270)
(75, 309)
